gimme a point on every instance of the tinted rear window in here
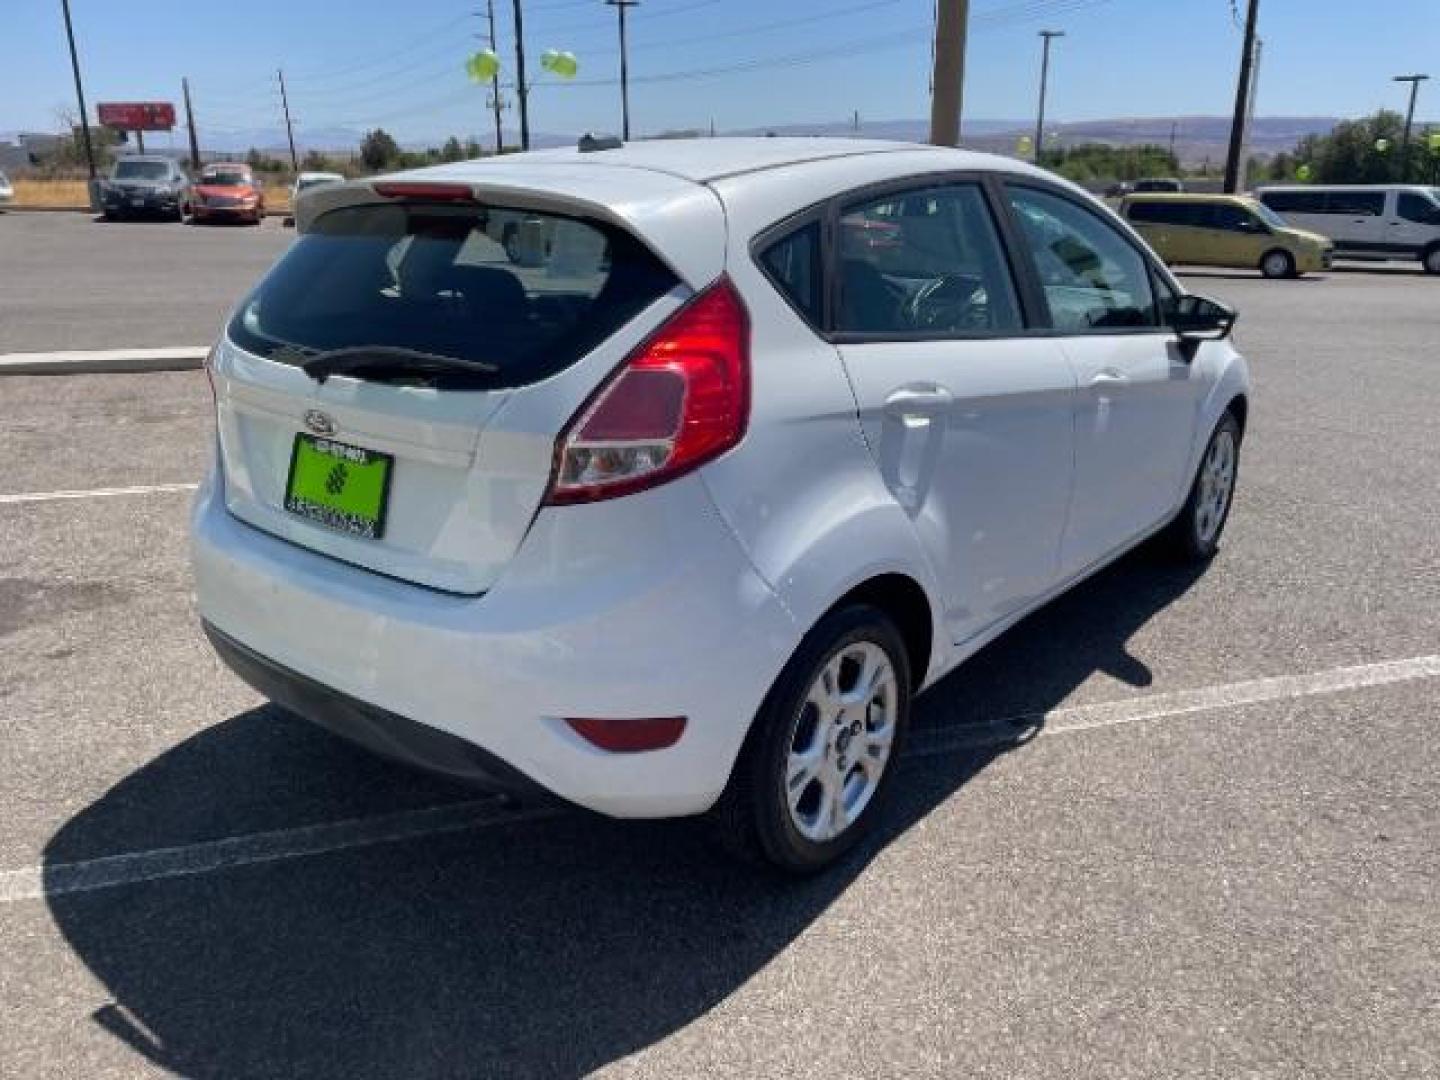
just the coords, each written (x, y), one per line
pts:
(530, 293)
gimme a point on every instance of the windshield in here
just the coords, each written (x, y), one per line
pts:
(530, 293)
(141, 170)
(1265, 214)
(228, 178)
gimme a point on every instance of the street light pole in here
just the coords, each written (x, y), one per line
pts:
(1414, 81)
(79, 93)
(521, 91)
(495, 101)
(620, 6)
(1048, 36)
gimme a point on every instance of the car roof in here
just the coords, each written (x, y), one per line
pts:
(703, 161)
(1346, 187)
(1187, 196)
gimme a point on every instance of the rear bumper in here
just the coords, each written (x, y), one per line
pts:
(201, 212)
(381, 732)
(637, 607)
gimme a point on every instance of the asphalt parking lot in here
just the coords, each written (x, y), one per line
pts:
(1178, 823)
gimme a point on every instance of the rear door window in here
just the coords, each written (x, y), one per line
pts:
(530, 293)
(1355, 203)
(1294, 202)
(924, 262)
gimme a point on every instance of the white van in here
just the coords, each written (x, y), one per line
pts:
(1366, 221)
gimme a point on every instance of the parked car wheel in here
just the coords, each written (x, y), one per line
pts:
(1431, 260)
(1194, 535)
(820, 757)
(1277, 264)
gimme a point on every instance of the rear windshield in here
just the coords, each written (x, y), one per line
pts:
(226, 178)
(141, 170)
(530, 293)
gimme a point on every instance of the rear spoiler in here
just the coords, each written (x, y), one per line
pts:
(682, 222)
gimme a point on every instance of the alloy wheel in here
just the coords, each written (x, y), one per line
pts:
(841, 741)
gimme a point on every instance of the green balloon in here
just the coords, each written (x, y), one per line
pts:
(557, 62)
(1304, 172)
(483, 66)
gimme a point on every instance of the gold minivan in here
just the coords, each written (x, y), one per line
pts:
(1225, 230)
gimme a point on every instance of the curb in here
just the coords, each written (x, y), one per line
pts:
(103, 361)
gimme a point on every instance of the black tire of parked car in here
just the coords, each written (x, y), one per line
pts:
(1183, 537)
(1431, 259)
(751, 820)
(1277, 263)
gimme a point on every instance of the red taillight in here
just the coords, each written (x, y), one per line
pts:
(629, 736)
(680, 399)
(426, 192)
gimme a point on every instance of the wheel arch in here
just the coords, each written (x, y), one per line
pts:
(905, 602)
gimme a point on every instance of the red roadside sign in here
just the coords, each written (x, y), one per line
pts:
(137, 115)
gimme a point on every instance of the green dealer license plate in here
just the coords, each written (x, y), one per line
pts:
(339, 486)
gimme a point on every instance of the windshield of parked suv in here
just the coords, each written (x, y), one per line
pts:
(1265, 214)
(529, 293)
(141, 170)
(226, 178)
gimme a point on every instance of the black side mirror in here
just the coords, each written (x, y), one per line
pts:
(1198, 318)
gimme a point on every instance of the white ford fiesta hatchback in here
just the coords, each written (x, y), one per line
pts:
(661, 477)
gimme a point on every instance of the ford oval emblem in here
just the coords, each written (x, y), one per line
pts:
(319, 422)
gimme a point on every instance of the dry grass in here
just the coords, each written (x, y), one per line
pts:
(72, 194)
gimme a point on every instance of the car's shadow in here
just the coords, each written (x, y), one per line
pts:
(546, 948)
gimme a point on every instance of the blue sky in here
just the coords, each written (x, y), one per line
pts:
(397, 63)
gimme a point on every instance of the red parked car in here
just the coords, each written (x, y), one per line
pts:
(227, 191)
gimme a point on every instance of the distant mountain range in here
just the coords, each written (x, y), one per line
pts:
(1197, 138)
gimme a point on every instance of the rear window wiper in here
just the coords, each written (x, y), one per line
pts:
(394, 357)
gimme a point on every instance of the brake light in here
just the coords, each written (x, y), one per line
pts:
(681, 399)
(426, 192)
(630, 735)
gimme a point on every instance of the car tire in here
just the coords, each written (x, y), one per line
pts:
(1431, 260)
(1194, 535)
(1277, 264)
(815, 768)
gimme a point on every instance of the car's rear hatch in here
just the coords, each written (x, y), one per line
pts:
(390, 456)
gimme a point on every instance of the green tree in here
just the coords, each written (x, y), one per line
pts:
(378, 150)
(472, 149)
(1349, 154)
(452, 150)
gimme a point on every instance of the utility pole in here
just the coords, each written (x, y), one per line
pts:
(1242, 100)
(1048, 36)
(289, 127)
(947, 91)
(1414, 81)
(522, 93)
(190, 124)
(495, 103)
(620, 6)
(1250, 114)
(80, 94)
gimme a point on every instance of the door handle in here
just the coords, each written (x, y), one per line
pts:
(1109, 378)
(920, 399)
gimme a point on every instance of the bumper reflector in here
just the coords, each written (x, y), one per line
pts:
(629, 736)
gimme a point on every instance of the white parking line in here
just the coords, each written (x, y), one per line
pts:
(189, 859)
(944, 740)
(32, 883)
(94, 493)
